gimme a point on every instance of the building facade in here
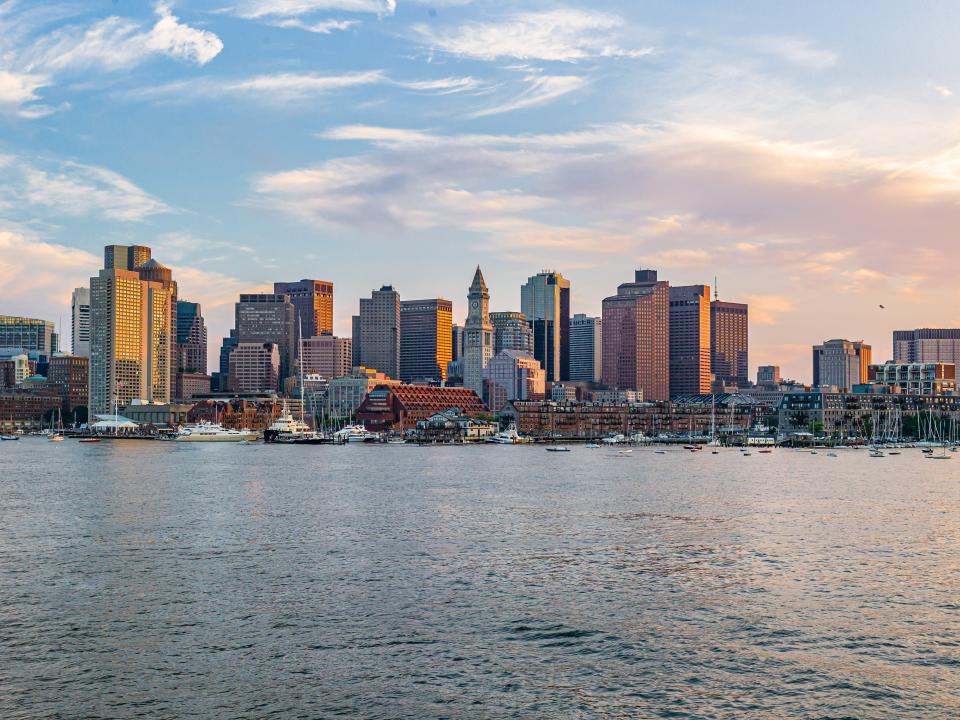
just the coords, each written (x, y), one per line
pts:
(39, 336)
(927, 345)
(915, 378)
(426, 340)
(254, 368)
(267, 318)
(71, 373)
(327, 356)
(545, 300)
(768, 375)
(345, 394)
(376, 332)
(586, 348)
(512, 375)
(841, 364)
(132, 330)
(456, 338)
(690, 331)
(478, 335)
(729, 342)
(636, 337)
(511, 331)
(191, 338)
(80, 321)
(312, 305)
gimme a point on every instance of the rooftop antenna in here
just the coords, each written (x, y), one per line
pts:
(716, 290)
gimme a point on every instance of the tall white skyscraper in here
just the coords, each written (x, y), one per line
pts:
(80, 321)
(477, 335)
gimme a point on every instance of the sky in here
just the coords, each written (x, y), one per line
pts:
(806, 155)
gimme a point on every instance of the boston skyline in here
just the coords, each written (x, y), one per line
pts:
(262, 141)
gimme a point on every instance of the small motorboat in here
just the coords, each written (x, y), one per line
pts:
(624, 452)
(877, 454)
(558, 448)
(765, 452)
(9, 437)
(592, 446)
(89, 440)
(660, 452)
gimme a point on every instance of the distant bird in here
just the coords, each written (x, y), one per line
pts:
(883, 307)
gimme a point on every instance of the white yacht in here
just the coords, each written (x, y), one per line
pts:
(287, 429)
(510, 436)
(213, 432)
(355, 433)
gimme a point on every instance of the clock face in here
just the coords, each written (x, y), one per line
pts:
(475, 304)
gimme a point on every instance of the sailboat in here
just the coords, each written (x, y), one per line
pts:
(713, 422)
(57, 434)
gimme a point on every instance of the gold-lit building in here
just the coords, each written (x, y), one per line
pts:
(426, 340)
(132, 330)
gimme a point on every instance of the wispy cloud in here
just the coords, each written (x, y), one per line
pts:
(322, 27)
(284, 87)
(116, 43)
(794, 50)
(73, 189)
(563, 34)
(541, 89)
(255, 9)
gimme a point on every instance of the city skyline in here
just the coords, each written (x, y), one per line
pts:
(747, 145)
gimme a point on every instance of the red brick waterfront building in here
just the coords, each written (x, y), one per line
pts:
(399, 407)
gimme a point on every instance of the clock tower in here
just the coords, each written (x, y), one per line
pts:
(477, 335)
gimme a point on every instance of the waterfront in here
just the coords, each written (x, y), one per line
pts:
(171, 580)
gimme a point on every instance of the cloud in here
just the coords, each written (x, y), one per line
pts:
(73, 189)
(37, 277)
(541, 89)
(794, 50)
(255, 9)
(18, 94)
(116, 43)
(323, 27)
(767, 309)
(563, 34)
(283, 87)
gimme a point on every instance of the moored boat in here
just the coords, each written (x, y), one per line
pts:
(212, 432)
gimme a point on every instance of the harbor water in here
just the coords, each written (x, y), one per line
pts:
(194, 580)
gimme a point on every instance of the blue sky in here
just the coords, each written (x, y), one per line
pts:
(805, 155)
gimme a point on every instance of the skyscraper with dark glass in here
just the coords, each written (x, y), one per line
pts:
(545, 300)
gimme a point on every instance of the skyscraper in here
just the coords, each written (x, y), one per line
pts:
(842, 363)
(511, 331)
(37, 336)
(191, 338)
(478, 334)
(636, 337)
(426, 339)
(80, 322)
(312, 304)
(254, 368)
(729, 341)
(690, 340)
(267, 318)
(132, 329)
(586, 345)
(927, 345)
(545, 300)
(328, 356)
(376, 332)
(457, 340)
